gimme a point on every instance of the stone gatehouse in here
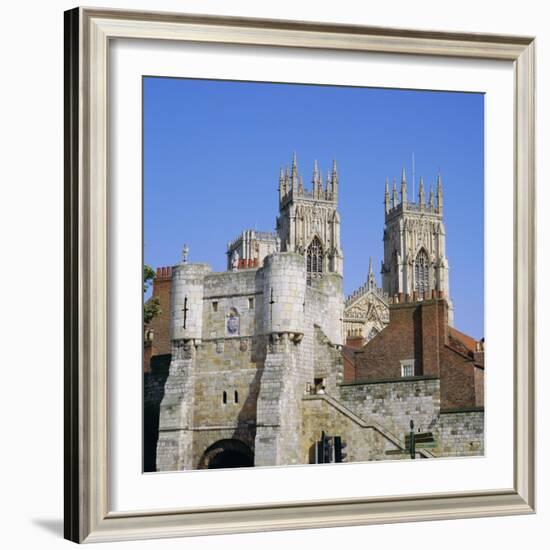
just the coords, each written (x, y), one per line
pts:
(256, 365)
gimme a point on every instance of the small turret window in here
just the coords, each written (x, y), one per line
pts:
(224, 397)
(315, 258)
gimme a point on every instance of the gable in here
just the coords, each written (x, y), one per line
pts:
(368, 307)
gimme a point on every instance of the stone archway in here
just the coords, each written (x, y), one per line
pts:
(227, 453)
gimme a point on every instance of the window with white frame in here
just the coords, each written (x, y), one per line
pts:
(407, 368)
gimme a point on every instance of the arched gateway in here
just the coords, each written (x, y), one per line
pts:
(227, 453)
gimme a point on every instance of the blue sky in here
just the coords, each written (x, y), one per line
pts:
(213, 150)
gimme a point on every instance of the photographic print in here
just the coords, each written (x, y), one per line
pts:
(313, 274)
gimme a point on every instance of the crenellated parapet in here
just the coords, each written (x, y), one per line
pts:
(394, 207)
(291, 184)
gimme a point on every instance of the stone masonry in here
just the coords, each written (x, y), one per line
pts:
(250, 366)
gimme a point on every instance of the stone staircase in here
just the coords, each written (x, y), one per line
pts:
(398, 442)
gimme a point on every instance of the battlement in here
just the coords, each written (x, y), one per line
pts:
(164, 272)
(414, 297)
(291, 184)
(412, 207)
(248, 250)
(394, 207)
(253, 235)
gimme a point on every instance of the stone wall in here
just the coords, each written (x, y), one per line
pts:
(362, 443)
(286, 370)
(154, 381)
(461, 433)
(394, 403)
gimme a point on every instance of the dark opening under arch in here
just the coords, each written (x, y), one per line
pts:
(227, 453)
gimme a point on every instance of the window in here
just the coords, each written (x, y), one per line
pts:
(236, 396)
(421, 278)
(250, 303)
(214, 306)
(314, 258)
(407, 368)
(224, 398)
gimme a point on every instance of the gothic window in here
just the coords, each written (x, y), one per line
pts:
(315, 258)
(421, 277)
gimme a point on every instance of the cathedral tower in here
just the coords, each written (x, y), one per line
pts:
(415, 265)
(308, 221)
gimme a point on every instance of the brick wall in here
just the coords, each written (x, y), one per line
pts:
(160, 325)
(413, 333)
(419, 331)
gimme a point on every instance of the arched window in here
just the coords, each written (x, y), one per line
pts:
(421, 273)
(315, 258)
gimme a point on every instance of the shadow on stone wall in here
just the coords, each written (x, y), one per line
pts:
(153, 392)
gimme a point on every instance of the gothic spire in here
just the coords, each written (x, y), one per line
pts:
(439, 194)
(334, 180)
(403, 188)
(431, 203)
(387, 196)
(371, 280)
(294, 173)
(315, 179)
(328, 187)
(421, 194)
(315, 172)
(394, 193)
(282, 184)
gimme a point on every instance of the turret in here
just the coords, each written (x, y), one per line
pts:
(328, 187)
(371, 280)
(187, 300)
(284, 291)
(431, 197)
(394, 193)
(334, 180)
(387, 197)
(421, 194)
(294, 172)
(403, 189)
(282, 185)
(439, 194)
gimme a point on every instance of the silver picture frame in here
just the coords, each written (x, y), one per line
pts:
(87, 37)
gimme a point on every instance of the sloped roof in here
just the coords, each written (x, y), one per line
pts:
(467, 341)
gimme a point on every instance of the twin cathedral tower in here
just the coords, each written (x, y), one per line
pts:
(414, 266)
(414, 262)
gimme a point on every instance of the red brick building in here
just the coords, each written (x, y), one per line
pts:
(419, 342)
(157, 332)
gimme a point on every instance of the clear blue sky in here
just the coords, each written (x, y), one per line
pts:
(213, 149)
